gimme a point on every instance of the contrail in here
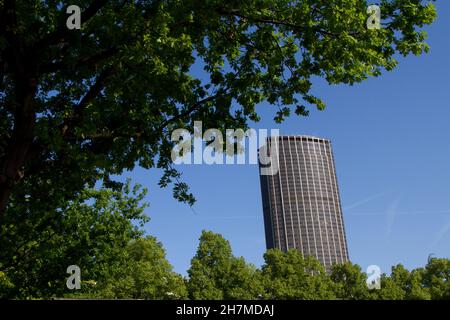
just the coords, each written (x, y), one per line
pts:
(441, 234)
(365, 200)
(391, 213)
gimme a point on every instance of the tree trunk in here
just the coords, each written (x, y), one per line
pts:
(11, 166)
(24, 72)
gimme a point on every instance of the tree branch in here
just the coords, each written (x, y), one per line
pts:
(276, 22)
(189, 110)
(92, 93)
(84, 61)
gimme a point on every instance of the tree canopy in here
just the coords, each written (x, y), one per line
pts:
(291, 276)
(134, 266)
(216, 274)
(77, 106)
(141, 272)
(92, 231)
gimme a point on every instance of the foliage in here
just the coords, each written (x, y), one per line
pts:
(91, 231)
(436, 278)
(141, 273)
(135, 267)
(216, 274)
(77, 106)
(349, 282)
(403, 284)
(291, 276)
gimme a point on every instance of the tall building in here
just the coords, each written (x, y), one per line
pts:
(301, 202)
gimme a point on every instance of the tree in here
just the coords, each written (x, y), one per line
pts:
(291, 276)
(86, 104)
(93, 232)
(436, 277)
(390, 290)
(142, 273)
(349, 282)
(403, 285)
(216, 274)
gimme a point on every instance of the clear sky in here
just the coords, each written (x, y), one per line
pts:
(391, 140)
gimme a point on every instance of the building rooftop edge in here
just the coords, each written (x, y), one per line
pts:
(302, 137)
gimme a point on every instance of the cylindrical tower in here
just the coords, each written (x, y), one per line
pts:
(301, 202)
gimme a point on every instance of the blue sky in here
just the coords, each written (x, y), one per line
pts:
(391, 140)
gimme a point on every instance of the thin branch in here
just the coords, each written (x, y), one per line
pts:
(189, 110)
(271, 21)
(85, 61)
(114, 134)
(92, 93)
